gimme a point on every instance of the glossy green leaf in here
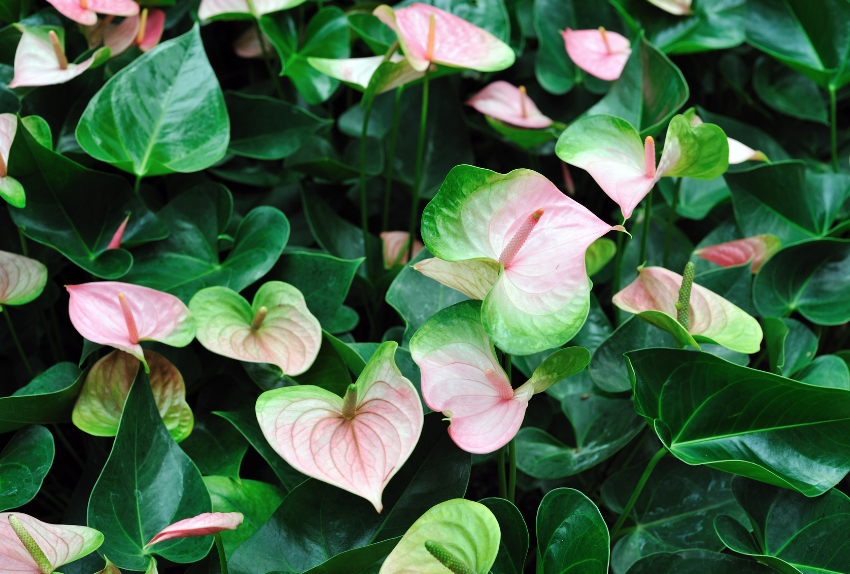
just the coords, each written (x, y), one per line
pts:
(377, 35)
(80, 230)
(48, 398)
(790, 532)
(696, 197)
(709, 411)
(317, 157)
(216, 448)
(318, 521)
(363, 560)
(267, 128)
(256, 500)
(675, 510)
(788, 92)
(163, 113)
(602, 425)
(326, 36)
(572, 537)
(188, 260)
(599, 254)
(513, 545)
(748, 135)
(826, 371)
(24, 462)
(697, 562)
(790, 345)
(165, 487)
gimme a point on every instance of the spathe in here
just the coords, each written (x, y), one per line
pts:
(395, 248)
(58, 544)
(10, 189)
(600, 53)
(238, 9)
(675, 7)
(200, 525)
(757, 249)
(359, 71)
(738, 152)
(21, 279)
(122, 36)
(85, 11)
(40, 59)
(248, 44)
(509, 104)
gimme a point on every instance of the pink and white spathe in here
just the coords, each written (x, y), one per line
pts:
(738, 152)
(60, 544)
(599, 52)
(248, 44)
(430, 35)
(121, 315)
(10, 188)
(356, 443)
(359, 71)
(507, 103)
(675, 7)
(40, 59)
(200, 525)
(85, 11)
(757, 249)
(144, 30)
(210, 9)
(396, 245)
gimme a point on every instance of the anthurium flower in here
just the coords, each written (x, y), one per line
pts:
(121, 315)
(711, 318)
(144, 31)
(241, 9)
(454, 536)
(523, 231)
(395, 248)
(248, 45)
(757, 249)
(359, 71)
(21, 279)
(738, 152)
(676, 7)
(85, 11)
(610, 149)
(356, 443)
(598, 52)
(101, 401)
(278, 328)
(115, 242)
(509, 104)
(200, 525)
(40, 58)
(30, 546)
(427, 35)
(462, 377)
(10, 189)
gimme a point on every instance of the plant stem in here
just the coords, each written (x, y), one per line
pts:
(833, 126)
(669, 233)
(385, 222)
(5, 311)
(417, 172)
(364, 201)
(67, 445)
(23, 239)
(137, 184)
(221, 556)
(503, 484)
(647, 215)
(630, 504)
(267, 60)
(512, 472)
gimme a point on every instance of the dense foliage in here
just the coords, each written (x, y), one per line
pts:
(469, 286)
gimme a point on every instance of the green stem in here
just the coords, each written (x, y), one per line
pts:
(647, 215)
(23, 355)
(138, 184)
(63, 439)
(503, 484)
(512, 472)
(385, 222)
(539, 561)
(23, 239)
(630, 504)
(268, 61)
(618, 262)
(364, 201)
(417, 172)
(221, 556)
(669, 233)
(833, 126)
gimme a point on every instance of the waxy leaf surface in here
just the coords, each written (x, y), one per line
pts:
(48, 398)
(509, 104)
(513, 546)
(571, 535)
(697, 562)
(24, 462)
(255, 500)
(60, 544)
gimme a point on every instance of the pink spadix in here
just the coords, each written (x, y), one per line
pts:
(649, 156)
(57, 47)
(522, 97)
(132, 331)
(115, 242)
(501, 384)
(605, 39)
(432, 32)
(519, 238)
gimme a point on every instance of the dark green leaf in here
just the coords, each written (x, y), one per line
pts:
(788, 92)
(318, 158)
(697, 562)
(513, 546)
(377, 35)
(48, 398)
(256, 500)
(826, 371)
(746, 134)
(215, 446)
(24, 462)
(357, 561)
(572, 537)
(608, 366)
(697, 197)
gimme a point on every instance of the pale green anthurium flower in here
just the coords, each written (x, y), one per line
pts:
(30, 546)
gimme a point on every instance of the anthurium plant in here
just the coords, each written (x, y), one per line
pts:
(432, 287)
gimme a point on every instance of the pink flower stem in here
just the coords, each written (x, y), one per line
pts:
(417, 172)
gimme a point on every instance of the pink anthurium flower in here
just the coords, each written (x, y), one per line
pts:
(520, 242)
(710, 318)
(200, 525)
(611, 151)
(598, 52)
(462, 378)
(239, 9)
(277, 328)
(85, 11)
(738, 152)
(21, 279)
(359, 71)
(248, 45)
(356, 443)
(115, 242)
(30, 546)
(144, 31)
(675, 7)
(121, 315)
(395, 248)
(430, 35)
(757, 249)
(40, 58)
(509, 104)
(10, 189)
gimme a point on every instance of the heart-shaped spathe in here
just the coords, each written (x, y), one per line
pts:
(200, 525)
(757, 249)
(598, 52)
(356, 443)
(86, 12)
(509, 104)
(21, 279)
(59, 543)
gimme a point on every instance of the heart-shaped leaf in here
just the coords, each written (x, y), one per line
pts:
(701, 561)
(756, 250)
(24, 462)
(452, 534)
(59, 543)
(37, 62)
(242, 9)
(200, 525)
(709, 411)
(255, 500)
(215, 447)
(167, 487)
(571, 534)
(277, 328)
(608, 368)
(599, 254)
(80, 230)
(163, 113)
(537, 233)
(788, 92)
(598, 52)
(509, 104)
(121, 315)
(790, 532)
(357, 443)
(188, 260)
(10, 189)
(48, 398)
(790, 345)
(513, 545)
(21, 279)
(101, 401)
(462, 378)
(826, 371)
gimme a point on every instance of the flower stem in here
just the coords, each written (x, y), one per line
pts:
(833, 126)
(500, 463)
(647, 215)
(364, 201)
(267, 60)
(512, 471)
(669, 233)
(630, 504)
(417, 173)
(5, 311)
(385, 222)
(138, 184)
(222, 558)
